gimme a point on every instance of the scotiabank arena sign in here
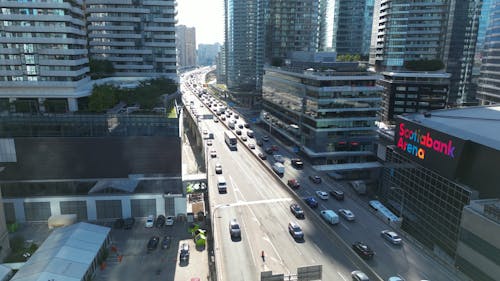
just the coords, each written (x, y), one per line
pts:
(432, 149)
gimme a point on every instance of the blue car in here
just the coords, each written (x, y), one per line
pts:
(312, 202)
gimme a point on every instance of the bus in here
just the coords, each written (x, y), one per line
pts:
(383, 212)
(231, 140)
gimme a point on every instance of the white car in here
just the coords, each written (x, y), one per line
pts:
(279, 158)
(251, 146)
(150, 221)
(209, 142)
(218, 168)
(170, 220)
(322, 194)
(391, 236)
(347, 214)
(213, 153)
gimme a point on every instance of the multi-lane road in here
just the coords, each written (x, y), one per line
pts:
(260, 202)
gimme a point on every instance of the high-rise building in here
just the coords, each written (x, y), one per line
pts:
(186, 45)
(207, 53)
(43, 55)
(353, 27)
(488, 91)
(138, 37)
(220, 61)
(478, 55)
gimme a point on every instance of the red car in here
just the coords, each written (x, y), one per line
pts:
(293, 183)
(274, 147)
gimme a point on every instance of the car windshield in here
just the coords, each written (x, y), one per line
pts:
(235, 226)
(296, 228)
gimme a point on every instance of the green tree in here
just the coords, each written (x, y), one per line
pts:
(103, 97)
(101, 68)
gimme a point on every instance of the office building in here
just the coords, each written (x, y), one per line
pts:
(438, 164)
(207, 54)
(488, 91)
(353, 27)
(328, 114)
(186, 46)
(43, 55)
(138, 37)
(220, 70)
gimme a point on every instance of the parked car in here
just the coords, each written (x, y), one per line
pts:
(322, 195)
(363, 250)
(315, 178)
(295, 230)
(184, 253)
(119, 223)
(297, 163)
(160, 221)
(297, 210)
(265, 138)
(262, 156)
(358, 275)
(165, 243)
(391, 236)
(153, 243)
(347, 214)
(128, 223)
(337, 194)
(311, 201)
(170, 220)
(150, 221)
(293, 183)
(234, 229)
(269, 151)
(218, 168)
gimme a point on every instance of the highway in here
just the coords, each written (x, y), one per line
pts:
(260, 202)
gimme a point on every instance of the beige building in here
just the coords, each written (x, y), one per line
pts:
(186, 45)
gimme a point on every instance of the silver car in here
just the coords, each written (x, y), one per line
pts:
(347, 214)
(391, 236)
(234, 229)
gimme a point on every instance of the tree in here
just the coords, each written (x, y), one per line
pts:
(349, 57)
(101, 68)
(103, 97)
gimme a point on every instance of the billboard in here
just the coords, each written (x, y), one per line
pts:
(430, 148)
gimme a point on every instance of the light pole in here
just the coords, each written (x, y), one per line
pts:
(402, 201)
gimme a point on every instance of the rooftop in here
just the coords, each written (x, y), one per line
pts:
(480, 124)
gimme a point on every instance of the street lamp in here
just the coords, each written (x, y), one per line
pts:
(402, 200)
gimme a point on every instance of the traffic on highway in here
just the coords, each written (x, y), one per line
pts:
(271, 211)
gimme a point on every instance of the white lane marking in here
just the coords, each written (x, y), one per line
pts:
(248, 243)
(243, 203)
(300, 253)
(317, 248)
(341, 276)
(276, 252)
(345, 226)
(322, 207)
(307, 192)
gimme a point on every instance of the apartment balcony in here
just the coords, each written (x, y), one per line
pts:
(125, 59)
(65, 73)
(110, 27)
(160, 44)
(115, 35)
(48, 41)
(119, 67)
(159, 3)
(70, 52)
(157, 59)
(12, 62)
(113, 43)
(114, 19)
(64, 62)
(47, 29)
(113, 9)
(18, 72)
(121, 51)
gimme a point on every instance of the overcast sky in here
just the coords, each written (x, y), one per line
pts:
(207, 16)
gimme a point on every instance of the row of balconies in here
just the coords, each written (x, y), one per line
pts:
(48, 41)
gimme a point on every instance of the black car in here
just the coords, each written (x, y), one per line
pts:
(315, 179)
(297, 211)
(338, 194)
(153, 243)
(269, 151)
(184, 253)
(297, 163)
(262, 156)
(118, 223)
(165, 243)
(260, 143)
(160, 221)
(363, 250)
(128, 223)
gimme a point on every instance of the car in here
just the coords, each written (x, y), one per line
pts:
(395, 278)
(297, 210)
(169, 220)
(234, 229)
(295, 230)
(293, 183)
(150, 221)
(205, 132)
(236, 116)
(347, 214)
(269, 151)
(337, 194)
(260, 143)
(160, 221)
(297, 163)
(209, 142)
(213, 153)
(312, 202)
(322, 195)
(391, 236)
(184, 253)
(238, 132)
(251, 145)
(240, 126)
(274, 147)
(246, 125)
(244, 138)
(216, 120)
(265, 138)
(358, 275)
(128, 223)
(279, 158)
(119, 223)
(363, 250)
(218, 168)
(153, 243)
(165, 243)
(223, 118)
(315, 179)
(262, 156)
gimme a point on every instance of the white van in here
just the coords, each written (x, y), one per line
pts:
(330, 216)
(221, 184)
(279, 168)
(250, 134)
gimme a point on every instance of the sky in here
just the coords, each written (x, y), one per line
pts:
(207, 16)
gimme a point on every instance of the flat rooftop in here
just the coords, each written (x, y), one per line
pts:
(480, 124)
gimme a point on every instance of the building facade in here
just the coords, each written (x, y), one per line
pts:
(186, 46)
(43, 55)
(138, 37)
(489, 79)
(220, 70)
(329, 115)
(207, 53)
(438, 164)
(353, 27)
